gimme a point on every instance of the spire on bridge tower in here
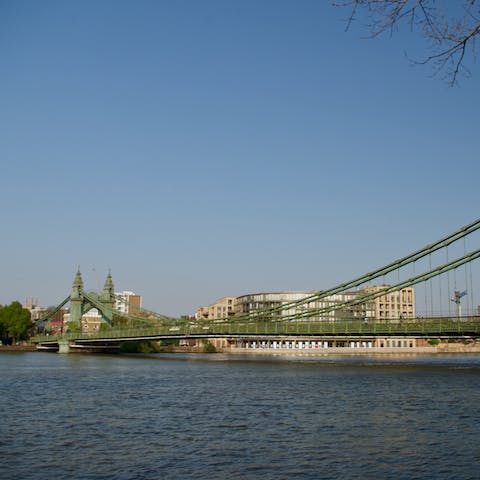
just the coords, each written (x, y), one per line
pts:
(76, 299)
(77, 288)
(109, 290)
(81, 302)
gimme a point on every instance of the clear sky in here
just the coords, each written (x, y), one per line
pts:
(213, 148)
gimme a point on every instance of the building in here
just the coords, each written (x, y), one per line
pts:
(54, 324)
(223, 308)
(36, 312)
(394, 305)
(128, 302)
(90, 321)
(281, 302)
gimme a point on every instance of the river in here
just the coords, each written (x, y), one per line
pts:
(167, 416)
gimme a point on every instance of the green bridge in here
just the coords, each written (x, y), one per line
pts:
(312, 317)
(466, 327)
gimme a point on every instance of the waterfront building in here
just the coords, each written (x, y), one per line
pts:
(281, 303)
(394, 306)
(222, 308)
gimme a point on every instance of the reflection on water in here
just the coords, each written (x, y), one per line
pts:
(223, 417)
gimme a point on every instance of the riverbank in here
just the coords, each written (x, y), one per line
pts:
(18, 348)
(312, 352)
(425, 350)
(450, 348)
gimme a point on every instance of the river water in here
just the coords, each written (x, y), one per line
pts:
(193, 416)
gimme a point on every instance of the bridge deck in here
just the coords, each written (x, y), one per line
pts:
(438, 327)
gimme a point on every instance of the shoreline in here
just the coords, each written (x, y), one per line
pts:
(434, 350)
(446, 348)
(18, 348)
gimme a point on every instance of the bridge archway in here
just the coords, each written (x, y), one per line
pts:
(81, 302)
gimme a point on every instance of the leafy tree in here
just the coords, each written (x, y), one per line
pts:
(450, 28)
(209, 348)
(15, 322)
(72, 327)
(3, 325)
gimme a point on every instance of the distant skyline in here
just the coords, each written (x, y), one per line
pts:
(210, 149)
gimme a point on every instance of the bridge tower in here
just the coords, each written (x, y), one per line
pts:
(108, 298)
(76, 299)
(81, 302)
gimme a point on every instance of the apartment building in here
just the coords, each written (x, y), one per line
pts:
(395, 305)
(223, 308)
(128, 302)
(283, 305)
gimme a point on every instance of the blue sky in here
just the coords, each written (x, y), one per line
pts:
(203, 149)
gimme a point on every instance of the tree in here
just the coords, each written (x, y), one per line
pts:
(15, 322)
(451, 28)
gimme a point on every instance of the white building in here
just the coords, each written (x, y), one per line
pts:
(128, 302)
(284, 305)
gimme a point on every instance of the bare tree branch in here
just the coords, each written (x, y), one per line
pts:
(450, 28)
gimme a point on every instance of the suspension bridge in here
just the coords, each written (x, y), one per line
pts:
(443, 274)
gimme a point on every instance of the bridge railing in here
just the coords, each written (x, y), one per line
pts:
(429, 326)
(425, 327)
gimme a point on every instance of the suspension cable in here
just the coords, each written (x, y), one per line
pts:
(413, 257)
(370, 296)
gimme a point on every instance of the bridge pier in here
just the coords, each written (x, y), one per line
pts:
(63, 346)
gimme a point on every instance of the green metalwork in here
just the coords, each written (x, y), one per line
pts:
(408, 259)
(428, 327)
(51, 313)
(394, 288)
(81, 302)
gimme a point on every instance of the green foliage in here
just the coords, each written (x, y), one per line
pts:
(434, 341)
(15, 323)
(105, 327)
(121, 321)
(209, 348)
(73, 327)
(140, 347)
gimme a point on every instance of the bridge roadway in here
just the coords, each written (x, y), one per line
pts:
(345, 330)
